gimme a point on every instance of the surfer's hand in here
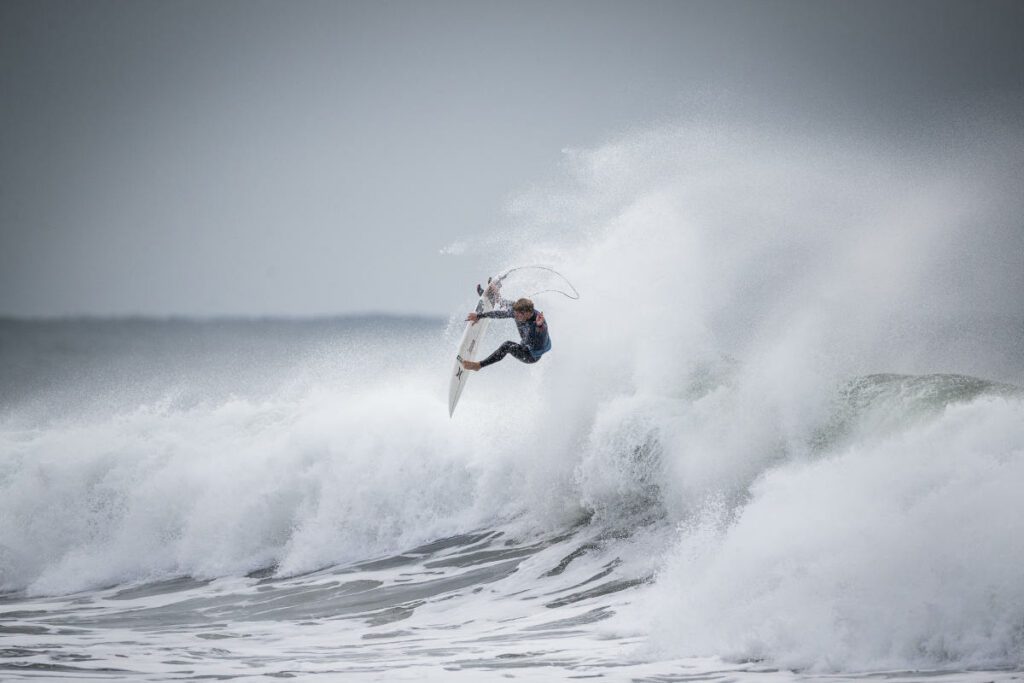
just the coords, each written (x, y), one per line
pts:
(540, 320)
(472, 317)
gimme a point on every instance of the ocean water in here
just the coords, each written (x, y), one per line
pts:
(779, 438)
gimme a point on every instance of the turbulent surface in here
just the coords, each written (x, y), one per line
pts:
(472, 607)
(575, 595)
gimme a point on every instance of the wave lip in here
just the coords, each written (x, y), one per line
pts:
(877, 405)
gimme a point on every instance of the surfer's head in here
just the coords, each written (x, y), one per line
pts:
(522, 309)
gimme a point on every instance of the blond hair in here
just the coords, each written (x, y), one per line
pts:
(523, 306)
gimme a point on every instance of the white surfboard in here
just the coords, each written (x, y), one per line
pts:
(469, 349)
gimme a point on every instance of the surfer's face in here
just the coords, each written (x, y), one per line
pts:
(522, 316)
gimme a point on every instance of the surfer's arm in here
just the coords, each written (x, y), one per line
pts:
(474, 316)
(500, 313)
(502, 309)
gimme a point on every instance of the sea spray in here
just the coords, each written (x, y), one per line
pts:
(723, 390)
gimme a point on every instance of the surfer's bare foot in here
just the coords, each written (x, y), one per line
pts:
(470, 365)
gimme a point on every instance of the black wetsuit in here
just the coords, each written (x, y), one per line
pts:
(536, 341)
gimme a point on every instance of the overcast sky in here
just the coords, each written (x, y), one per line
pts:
(309, 158)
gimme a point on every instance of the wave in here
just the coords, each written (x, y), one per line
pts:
(743, 405)
(894, 550)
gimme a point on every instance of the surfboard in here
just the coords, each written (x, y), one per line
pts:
(469, 348)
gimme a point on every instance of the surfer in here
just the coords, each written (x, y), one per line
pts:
(532, 328)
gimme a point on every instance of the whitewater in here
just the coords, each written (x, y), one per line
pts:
(780, 437)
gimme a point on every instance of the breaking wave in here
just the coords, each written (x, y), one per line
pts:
(748, 383)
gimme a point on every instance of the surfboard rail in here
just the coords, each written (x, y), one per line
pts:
(469, 346)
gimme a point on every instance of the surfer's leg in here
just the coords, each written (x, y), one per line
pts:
(522, 352)
(509, 348)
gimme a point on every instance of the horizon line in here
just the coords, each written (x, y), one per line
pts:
(217, 317)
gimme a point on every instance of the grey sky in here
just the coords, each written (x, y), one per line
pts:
(301, 158)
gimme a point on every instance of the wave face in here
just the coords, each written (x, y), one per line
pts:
(740, 431)
(892, 550)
